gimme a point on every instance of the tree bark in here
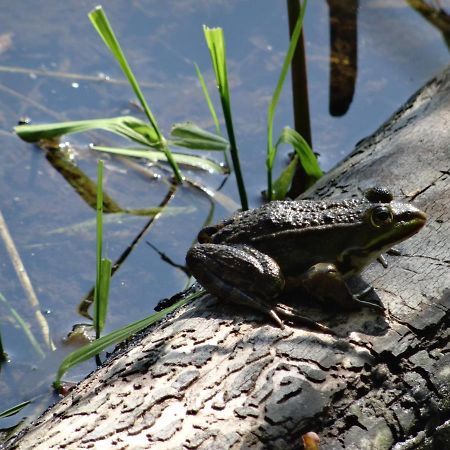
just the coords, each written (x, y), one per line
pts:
(218, 376)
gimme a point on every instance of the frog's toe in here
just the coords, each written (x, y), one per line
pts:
(293, 316)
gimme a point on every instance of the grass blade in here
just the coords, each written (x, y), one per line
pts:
(271, 151)
(99, 248)
(103, 296)
(14, 410)
(103, 273)
(190, 135)
(125, 126)
(95, 347)
(197, 162)
(25, 328)
(216, 44)
(304, 152)
(103, 27)
(208, 99)
(211, 109)
(282, 184)
(101, 23)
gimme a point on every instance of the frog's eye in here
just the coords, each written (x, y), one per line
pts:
(381, 215)
(378, 194)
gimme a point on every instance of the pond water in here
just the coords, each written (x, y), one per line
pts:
(54, 67)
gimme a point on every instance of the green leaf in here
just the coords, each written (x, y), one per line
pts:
(14, 410)
(190, 135)
(304, 152)
(103, 273)
(103, 27)
(103, 296)
(125, 126)
(271, 151)
(208, 99)
(189, 160)
(95, 347)
(282, 184)
(216, 45)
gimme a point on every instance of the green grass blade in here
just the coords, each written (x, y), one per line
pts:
(105, 279)
(271, 152)
(282, 184)
(101, 23)
(197, 162)
(216, 45)
(14, 410)
(99, 242)
(304, 152)
(190, 135)
(211, 109)
(208, 99)
(103, 272)
(25, 328)
(125, 126)
(103, 27)
(95, 347)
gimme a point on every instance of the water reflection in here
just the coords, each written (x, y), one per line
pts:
(343, 54)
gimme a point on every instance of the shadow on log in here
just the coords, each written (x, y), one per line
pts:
(218, 376)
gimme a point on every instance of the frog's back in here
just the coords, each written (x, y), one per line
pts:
(279, 216)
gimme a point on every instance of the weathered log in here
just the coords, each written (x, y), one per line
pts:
(224, 377)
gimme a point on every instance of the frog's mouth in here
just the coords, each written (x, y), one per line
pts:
(408, 221)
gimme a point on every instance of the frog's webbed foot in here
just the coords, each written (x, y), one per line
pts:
(358, 296)
(291, 314)
(325, 282)
(240, 274)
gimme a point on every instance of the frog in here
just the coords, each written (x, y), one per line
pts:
(314, 247)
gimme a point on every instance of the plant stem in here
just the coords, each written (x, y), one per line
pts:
(302, 122)
(271, 151)
(2, 351)
(216, 45)
(99, 245)
(234, 154)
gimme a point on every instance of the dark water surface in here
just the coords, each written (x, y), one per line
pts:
(53, 67)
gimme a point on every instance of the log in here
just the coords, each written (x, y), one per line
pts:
(219, 376)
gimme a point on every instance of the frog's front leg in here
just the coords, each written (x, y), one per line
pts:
(325, 282)
(239, 273)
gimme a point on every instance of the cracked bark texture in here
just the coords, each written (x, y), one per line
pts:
(217, 376)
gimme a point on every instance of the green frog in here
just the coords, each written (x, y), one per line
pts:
(311, 246)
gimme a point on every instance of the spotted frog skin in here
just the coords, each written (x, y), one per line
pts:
(312, 246)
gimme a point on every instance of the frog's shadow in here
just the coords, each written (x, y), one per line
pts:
(363, 320)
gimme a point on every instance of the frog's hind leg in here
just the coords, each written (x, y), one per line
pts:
(240, 274)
